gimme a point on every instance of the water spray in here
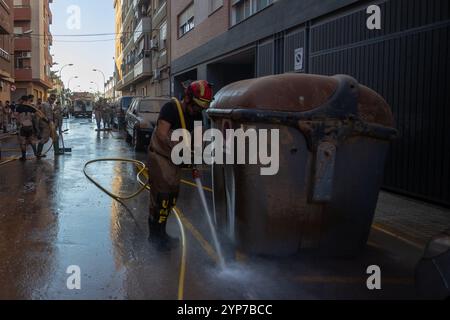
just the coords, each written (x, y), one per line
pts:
(198, 182)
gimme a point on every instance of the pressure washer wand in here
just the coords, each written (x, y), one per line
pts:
(197, 178)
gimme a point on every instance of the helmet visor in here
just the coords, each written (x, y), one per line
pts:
(203, 103)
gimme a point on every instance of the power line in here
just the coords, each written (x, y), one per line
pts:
(78, 41)
(84, 34)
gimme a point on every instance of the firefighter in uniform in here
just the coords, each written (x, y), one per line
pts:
(164, 175)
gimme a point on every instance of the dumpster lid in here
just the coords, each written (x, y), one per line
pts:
(286, 92)
(293, 92)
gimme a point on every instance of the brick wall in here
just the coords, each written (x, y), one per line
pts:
(206, 27)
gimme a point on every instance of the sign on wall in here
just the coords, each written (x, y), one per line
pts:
(299, 58)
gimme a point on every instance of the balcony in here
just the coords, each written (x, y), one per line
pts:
(129, 77)
(6, 19)
(22, 13)
(48, 58)
(5, 65)
(142, 68)
(22, 44)
(144, 26)
(162, 59)
(23, 74)
(160, 15)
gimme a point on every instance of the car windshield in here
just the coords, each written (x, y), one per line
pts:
(126, 101)
(150, 106)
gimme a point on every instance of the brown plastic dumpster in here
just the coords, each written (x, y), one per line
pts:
(334, 138)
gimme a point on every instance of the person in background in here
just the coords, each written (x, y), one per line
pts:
(25, 115)
(8, 114)
(98, 111)
(31, 100)
(45, 125)
(58, 116)
(2, 116)
(13, 116)
(106, 115)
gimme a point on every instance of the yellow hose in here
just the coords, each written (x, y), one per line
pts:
(112, 195)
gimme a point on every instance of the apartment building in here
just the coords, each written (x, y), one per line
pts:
(144, 50)
(407, 61)
(6, 50)
(110, 93)
(32, 58)
(118, 58)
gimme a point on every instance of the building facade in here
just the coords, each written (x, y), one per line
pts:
(6, 50)
(32, 58)
(118, 58)
(110, 93)
(407, 61)
(143, 52)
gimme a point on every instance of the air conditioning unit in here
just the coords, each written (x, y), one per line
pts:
(154, 44)
(26, 55)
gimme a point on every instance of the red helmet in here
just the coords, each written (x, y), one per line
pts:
(201, 92)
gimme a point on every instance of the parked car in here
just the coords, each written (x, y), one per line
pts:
(121, 106)
(141, 119)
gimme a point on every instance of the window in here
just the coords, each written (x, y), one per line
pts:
(186, 20)
(214, 5)
(163, 35)
(18, 30)
(242, 9)
(157, 4)
(22, 59)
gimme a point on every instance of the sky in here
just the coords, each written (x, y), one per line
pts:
(72, 18)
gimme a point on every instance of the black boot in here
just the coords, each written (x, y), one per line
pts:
(39, 151)
(24, 156)
(160, 238)
(168, 242)
(35, 152)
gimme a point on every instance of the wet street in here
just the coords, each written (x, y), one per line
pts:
(52, 217)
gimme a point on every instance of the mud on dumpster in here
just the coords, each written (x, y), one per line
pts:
(334, 139)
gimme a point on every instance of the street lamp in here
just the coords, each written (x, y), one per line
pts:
(104, 81)
(60, 77)
(68, 85)
(98, 87)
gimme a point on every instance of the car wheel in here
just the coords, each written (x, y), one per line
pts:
(128, 138)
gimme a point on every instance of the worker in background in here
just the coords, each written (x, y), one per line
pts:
(25, 115)
(31, 100)
(98, 111)
(2, 117)
(164, 175)
(58, 116)
(46, 125)
(7, 111)
(107, 113)
(13, 116)
(39, 104)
